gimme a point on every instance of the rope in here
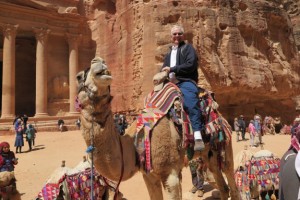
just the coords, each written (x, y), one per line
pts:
(91, 149)
(92, 159)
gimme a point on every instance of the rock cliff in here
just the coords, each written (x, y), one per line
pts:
(248, 50)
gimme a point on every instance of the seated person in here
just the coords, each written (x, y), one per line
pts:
(8, 158)
(61, 124)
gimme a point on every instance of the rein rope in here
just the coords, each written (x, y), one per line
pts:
(122, 173)
(91, 149)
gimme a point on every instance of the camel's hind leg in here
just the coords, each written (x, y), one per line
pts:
(219, 179)
(172, 184)
(228, 170)
(154, 186)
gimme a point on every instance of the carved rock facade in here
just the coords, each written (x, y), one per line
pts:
(248, 50)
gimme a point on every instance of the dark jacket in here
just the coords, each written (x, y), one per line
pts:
(242, 124)
(186, 67)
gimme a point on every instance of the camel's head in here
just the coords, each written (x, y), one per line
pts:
(95, 81)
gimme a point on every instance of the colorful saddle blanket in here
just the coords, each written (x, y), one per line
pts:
(215, 124)
(76, 186)
(261, 171)
(156, 105)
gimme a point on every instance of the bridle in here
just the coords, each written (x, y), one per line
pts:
(83, 87)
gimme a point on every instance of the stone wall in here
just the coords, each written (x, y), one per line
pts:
(248, 50)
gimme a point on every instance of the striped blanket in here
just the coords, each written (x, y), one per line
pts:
(156, 105)
(75, 186)
(259, 171)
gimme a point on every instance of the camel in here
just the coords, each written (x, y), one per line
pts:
(115, 156)
(64, 181)
(290, 169)
(257, 180)
(7, 186)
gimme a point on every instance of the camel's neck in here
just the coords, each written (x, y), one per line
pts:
(108, 156)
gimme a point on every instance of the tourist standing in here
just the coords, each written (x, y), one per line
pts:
(252, 133)
(242, 126)
(19, 141)
(120, 127)
(296, 123)
(30, 135)
(237, 129)
(25, 119)
(258, 129)
(277, 125)
(197, 168)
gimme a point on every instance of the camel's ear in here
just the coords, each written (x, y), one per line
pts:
(80, 77)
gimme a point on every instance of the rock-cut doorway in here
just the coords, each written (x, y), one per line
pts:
(25, 73)
(1, 75)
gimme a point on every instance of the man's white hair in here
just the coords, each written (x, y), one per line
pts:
(177, 27)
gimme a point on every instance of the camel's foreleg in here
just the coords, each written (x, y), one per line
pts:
(218, 176)
(172, 185)
(154, 186)
(228, 170)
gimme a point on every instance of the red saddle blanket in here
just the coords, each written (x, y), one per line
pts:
(75, 186)
(156, 105)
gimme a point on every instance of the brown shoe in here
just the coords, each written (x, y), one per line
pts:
(199, 145)
(193, 190)
(200, 193)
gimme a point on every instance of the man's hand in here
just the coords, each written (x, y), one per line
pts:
(166, 69)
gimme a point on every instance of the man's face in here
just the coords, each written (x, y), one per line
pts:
(177, 36)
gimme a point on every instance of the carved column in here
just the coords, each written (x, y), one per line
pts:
(73, 40)
(8, 80)
(41, 97)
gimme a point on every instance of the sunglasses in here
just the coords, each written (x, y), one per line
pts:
(177, 34)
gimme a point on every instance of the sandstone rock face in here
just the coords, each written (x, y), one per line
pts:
(248, 50)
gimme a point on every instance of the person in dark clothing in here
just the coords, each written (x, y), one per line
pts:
(16, 119)
(120, 127)
(197, 168)
(242, 126)
(181, 63)
(78, 123)
(25, 119)
(60, 124)
(277, 125)
(116, 118)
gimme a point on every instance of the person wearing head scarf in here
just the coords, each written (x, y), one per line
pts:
(8, 158)
(19, 141)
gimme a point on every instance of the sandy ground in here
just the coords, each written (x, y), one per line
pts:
(52, 147)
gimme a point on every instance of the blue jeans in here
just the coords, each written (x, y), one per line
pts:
(191, 103)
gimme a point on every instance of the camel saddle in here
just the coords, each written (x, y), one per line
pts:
(166, 98)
